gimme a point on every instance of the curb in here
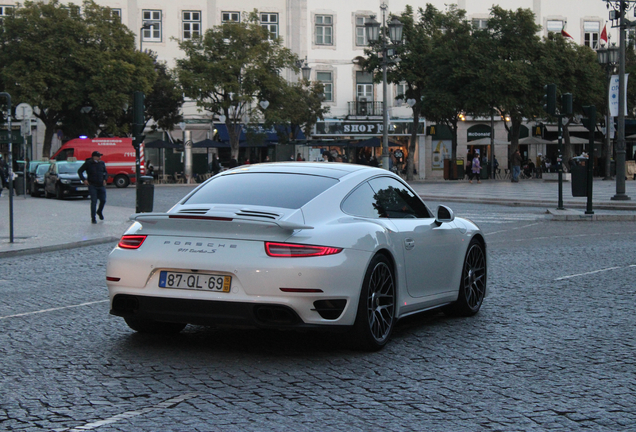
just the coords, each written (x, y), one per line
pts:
(52, 248)
(527, 203)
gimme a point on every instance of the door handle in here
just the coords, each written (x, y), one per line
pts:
(409, 243)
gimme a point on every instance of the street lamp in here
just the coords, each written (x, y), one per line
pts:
(620, 7)
(305, 69)
(608, 57)
(146, 26)
(372, 28)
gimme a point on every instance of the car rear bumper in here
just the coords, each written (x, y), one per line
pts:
(213, 313)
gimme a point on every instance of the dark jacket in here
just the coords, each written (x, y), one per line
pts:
(96, 172)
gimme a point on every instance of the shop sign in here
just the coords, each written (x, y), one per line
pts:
(360, 128)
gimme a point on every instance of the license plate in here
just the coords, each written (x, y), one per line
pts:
(82, 188)
(195, 281)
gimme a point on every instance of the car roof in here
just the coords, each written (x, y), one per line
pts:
(326, 169)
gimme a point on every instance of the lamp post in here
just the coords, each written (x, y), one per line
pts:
(608, 57)
(10, 164)
(619, 8)
(146, 26)
(372, 28)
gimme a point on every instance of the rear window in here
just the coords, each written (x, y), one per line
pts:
(262, 189)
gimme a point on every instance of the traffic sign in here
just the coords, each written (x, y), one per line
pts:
(23, 111)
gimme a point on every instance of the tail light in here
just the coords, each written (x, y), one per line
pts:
(289, 250)
(131, 241)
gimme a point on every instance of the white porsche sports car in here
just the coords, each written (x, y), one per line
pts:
(297, 245)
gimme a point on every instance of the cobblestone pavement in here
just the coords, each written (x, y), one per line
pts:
(552, 349)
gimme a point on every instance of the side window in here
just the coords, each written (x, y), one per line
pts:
(394, 200)
(361, 202)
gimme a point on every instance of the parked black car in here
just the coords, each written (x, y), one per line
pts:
(62, 180)
(33, 166)
(36, 179)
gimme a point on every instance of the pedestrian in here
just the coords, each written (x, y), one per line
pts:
(216, 165)
(96, 176)
(539, 166)
(516, 166)
(476, 169)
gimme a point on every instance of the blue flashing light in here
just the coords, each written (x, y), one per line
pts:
(83, 136)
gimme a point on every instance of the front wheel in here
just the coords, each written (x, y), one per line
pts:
(472, 288)
(121, 181)
(58, 192)
(144, 325)
(376, 309)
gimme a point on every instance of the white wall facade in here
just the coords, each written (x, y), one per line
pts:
(335, 56)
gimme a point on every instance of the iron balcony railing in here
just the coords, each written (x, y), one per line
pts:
(365, 108)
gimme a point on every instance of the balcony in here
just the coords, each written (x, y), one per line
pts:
(362, 107)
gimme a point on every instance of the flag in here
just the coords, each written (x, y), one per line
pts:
(566, 34)
(604, 34)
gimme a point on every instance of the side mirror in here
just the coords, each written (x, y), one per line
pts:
(444, 215)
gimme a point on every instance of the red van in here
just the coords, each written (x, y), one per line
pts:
(118, 155)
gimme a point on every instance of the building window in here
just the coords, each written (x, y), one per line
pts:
(152, 18)
(326, 78)
(361, 34)
(480, 23)
(400, 93)
(324, 30)
(227, 17)
(191, 24)
(592, 30)
(364, 86)
(4, 11)
(554, 26)
(269, 21)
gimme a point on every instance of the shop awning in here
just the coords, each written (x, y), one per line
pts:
(271, 135)
(161, 144)
(324, 143)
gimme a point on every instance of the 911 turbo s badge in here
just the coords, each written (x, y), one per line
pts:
(189, 246)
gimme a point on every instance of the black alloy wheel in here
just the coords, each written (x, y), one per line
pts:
(376, 309)
(472, 288)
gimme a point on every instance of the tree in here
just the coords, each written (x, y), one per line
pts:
(574, 69)
(510, 77)
(231, 66)
(295, 107)
(449, 69)
(73, 59)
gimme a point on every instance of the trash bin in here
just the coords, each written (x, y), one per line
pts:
(18, 183)
(460, 169)
(145, 194)
(579, 180)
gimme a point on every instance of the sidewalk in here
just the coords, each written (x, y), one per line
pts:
(42, 225)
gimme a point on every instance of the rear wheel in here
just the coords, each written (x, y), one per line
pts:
(121, 181)
(144, 325)
(376, 309)
(472, 288)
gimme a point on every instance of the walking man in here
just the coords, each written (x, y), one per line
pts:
(96, 176)
(516, 166)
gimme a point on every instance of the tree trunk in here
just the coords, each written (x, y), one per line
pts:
(412, 143)
(48, 139)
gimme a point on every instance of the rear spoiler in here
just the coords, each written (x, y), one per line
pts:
(217, 216)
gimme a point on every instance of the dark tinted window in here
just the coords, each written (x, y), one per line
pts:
(361, 202)
(394, 200)
(262, 189)
(69, 167)
(42, 168)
